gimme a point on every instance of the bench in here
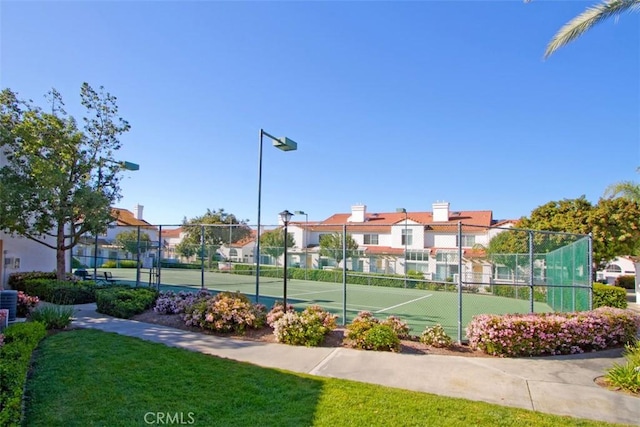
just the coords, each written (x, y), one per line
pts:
(108, 277)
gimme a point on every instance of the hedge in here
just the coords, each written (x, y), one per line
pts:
(20, 340)
(627, 282)
(124, 302)
(609, 296)
(59, 291)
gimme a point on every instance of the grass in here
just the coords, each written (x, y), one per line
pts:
(89, 377)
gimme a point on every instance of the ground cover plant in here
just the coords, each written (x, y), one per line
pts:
(519, 335)
(87, 377)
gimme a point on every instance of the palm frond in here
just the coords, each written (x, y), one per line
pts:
(587, 19)
(627, 189)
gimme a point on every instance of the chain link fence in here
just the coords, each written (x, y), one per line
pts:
(425, 274)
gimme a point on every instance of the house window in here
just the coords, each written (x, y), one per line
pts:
(446, 265)
(370, 239)
(407, 237)
(612, 268)
(233, 252)
(468, 240)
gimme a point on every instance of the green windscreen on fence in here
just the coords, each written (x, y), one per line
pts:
(568, 278)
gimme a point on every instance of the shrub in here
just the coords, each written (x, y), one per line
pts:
(627, 376)
(399, 327)
(52, 316)
(17, 280)
(359, 335)
(435, 336)
(26, 304)
(19, 342)
(124, 302)
(381, 338)
(552, 333)
(306, 328)
(61, 292)
(125, 263)
(171, 303)
(277, 312)
(626, 282)
(609, 296)
(226, 312)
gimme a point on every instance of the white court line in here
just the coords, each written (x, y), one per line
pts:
(314, 292)
(404, 303)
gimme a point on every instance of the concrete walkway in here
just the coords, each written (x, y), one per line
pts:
(562, 385)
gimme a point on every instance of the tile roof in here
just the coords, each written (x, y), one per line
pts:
(172, 232)
(126, 217)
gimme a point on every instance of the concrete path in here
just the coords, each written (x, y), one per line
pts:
(562, 385)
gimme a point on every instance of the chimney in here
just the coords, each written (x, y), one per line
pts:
(441, 211)
(137, 212)
(357, 213)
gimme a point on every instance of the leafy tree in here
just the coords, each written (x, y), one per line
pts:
(331, 246)
(128, 241)
(613, 223)
(219, 228)
(59, 182)
(186, 249)
(626, 189)
(272, 242)
(587, 19)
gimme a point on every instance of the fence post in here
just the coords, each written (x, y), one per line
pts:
(202, 257)
(344, 274)
(590, 270)
(138, 259)
(531, 299)
(459, 242)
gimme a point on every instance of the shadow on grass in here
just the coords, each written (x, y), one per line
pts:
(88, 377)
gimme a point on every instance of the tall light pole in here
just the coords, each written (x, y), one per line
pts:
(285, 216)
(406, 238)
(284, 144)
(126, 166)
(306, 244)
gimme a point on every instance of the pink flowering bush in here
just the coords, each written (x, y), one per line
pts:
(306, 328)
(277, 312)
(516, 335)
(226, 312)
(368, 333)
(26, 304)
(170, 302)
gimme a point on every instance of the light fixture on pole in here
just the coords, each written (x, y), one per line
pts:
(306, 244)
(406, 239)
(285, 217)
(284, 144)
(126, 166)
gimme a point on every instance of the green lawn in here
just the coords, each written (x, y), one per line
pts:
(88, 377)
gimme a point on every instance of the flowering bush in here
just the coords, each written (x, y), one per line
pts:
(26, 303)
(552, 333)
(4, 315)
(399, 327)
(368, 333)
(1, 340)
(306, 328)
(435, 336)
(277, 312)
(226, 312)
(170, 302)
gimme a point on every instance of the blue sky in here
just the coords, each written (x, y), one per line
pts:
(392, 104)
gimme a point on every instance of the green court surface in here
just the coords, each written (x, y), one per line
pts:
(419, 308)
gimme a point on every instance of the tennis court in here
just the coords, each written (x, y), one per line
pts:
(419, 308)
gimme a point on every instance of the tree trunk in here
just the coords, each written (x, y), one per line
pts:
(60, 253)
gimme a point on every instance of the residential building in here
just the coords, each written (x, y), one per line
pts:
(619, 266)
